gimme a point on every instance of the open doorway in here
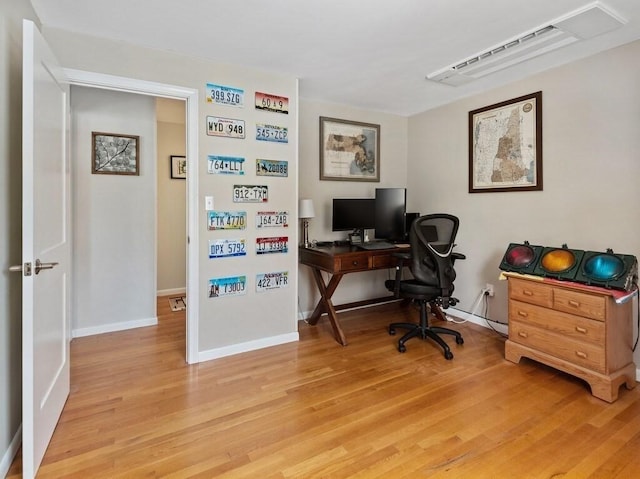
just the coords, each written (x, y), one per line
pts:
(190, 97)
(171, 203)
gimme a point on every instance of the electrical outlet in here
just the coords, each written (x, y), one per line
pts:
(489, 289)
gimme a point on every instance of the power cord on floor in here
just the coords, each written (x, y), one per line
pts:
(483, 298)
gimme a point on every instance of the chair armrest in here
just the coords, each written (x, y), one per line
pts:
(402, 258)
(455, 256)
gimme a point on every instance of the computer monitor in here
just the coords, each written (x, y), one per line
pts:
(353, 214)
(391, 206)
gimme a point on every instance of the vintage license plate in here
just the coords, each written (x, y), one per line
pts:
(225, 127)
(225, 95)
(229, 286)
(225, 165)
(267, 102)
(276, 244)
(226, 220)
(279, 134)
(250, 194)
(275, 280)
(272, 167)
(224, 248)
(272, 219)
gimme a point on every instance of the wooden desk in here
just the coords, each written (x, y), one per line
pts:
(338, 261)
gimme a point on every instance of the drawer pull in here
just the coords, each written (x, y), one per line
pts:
(582, 355)
(573, 303)
(581, 330)
(526, 292)
(355, 263)
(523, 314)
(522, 334)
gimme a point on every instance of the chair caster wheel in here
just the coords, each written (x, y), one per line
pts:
(459, 340)
(402, 348)
(448, 355)
(392, 332)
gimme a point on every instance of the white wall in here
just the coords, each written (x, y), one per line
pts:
(172, 198)
(114, 216)
(393, 173)
(591, 120)
(226, 325)
(11, 15)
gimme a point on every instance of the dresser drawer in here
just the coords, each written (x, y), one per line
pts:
(353, 262)
(531, 292)
(384, 261)
(576, 327)
(587, 305)
(580, 353)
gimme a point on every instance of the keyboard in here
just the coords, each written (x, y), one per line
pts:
(373, 245)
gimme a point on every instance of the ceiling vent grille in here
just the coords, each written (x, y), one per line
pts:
(581, 24)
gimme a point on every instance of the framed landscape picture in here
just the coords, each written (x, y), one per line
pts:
(349, 150)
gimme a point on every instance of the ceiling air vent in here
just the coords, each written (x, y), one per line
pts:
(587, 22)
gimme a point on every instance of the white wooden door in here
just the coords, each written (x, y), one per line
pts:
(46, 240)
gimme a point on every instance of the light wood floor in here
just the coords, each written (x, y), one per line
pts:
(315, 409)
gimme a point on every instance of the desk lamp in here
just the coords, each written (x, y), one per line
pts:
(305, 212)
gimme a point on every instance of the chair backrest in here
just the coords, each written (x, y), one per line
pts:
(432, 240)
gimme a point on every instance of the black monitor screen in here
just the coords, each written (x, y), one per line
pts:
(350, 214)
(391, 206)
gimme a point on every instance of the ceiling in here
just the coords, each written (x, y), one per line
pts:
(371, 54)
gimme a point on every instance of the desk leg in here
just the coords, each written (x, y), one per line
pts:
(326, 306)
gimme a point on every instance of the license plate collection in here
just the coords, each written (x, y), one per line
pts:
(220, 126)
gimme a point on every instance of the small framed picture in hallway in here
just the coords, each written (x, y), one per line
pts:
(115, 154)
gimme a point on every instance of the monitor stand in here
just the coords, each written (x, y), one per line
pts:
(357, 237)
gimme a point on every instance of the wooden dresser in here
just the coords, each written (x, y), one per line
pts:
(583, 333)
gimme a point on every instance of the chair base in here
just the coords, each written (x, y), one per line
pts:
(424, 331)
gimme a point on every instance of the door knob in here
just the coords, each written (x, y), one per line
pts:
(40, 265)
(26, 268)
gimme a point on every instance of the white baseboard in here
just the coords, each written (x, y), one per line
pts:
(248, 346)
(171, 292)
(111, 327)
(8, 457)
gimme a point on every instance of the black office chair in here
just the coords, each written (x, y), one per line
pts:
(431, 264)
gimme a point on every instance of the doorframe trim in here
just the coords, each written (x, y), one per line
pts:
(190, 95)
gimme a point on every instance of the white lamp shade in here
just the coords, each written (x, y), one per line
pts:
(305, 208)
